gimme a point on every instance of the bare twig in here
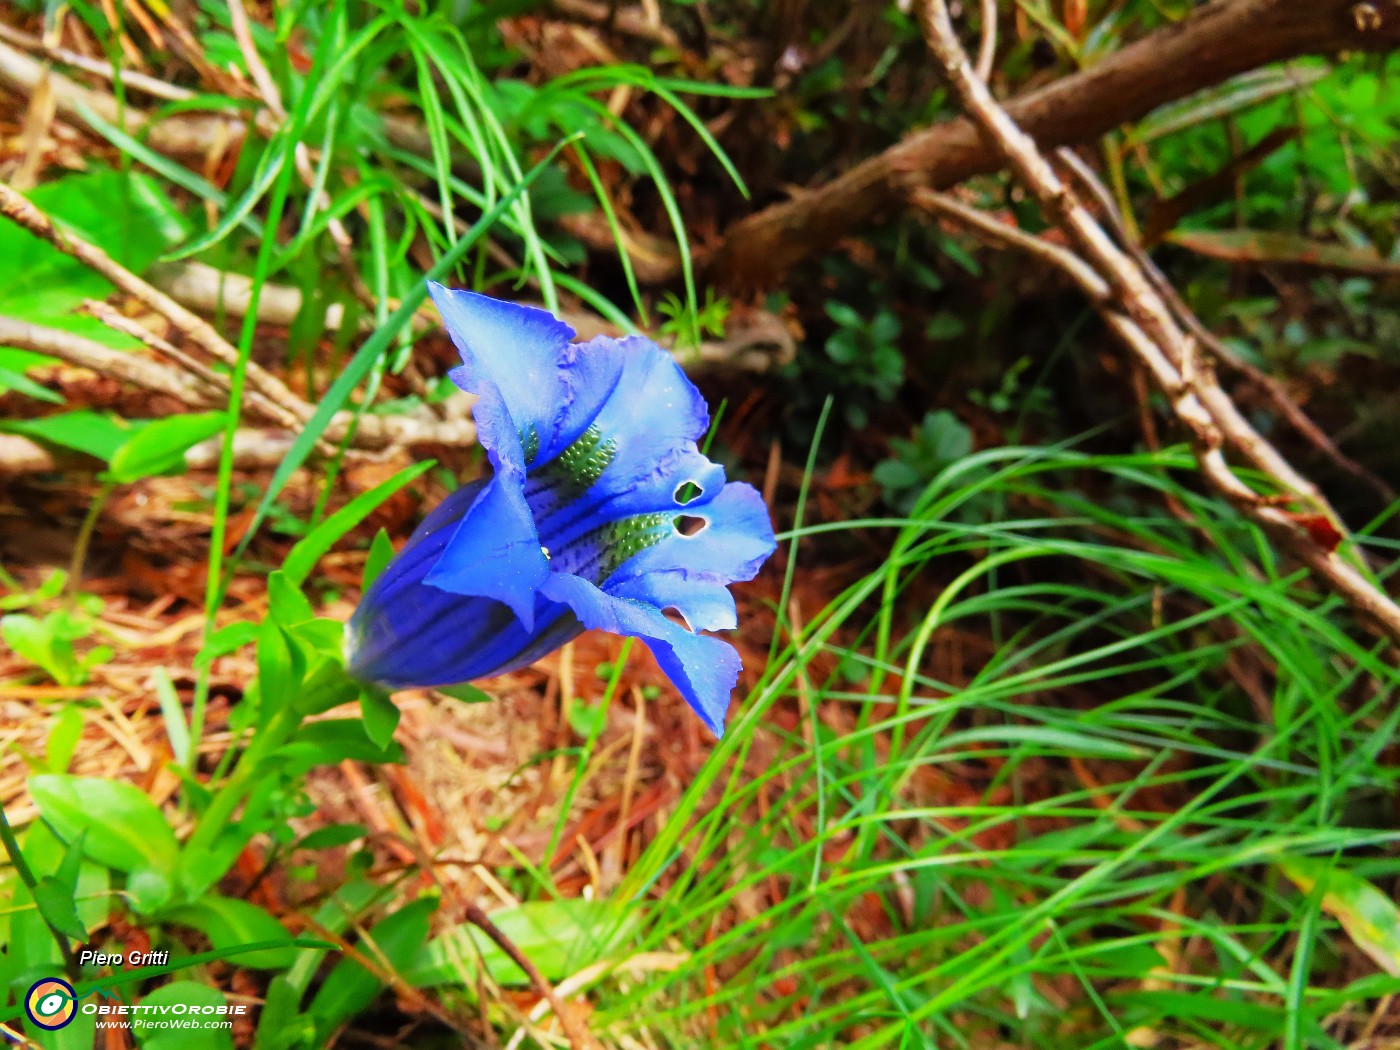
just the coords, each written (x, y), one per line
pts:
(86, 353)
(1209, 46)
(1267, 384)
(1130, 304)
(578, 1035)
(130, 79)
(17, 208)
(987, 49)
(218, 383)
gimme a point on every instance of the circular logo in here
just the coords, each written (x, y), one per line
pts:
(50, 1003)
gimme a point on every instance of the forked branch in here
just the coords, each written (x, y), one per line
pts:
(1131, 305)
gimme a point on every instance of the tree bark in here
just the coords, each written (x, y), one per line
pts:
(1216, 42)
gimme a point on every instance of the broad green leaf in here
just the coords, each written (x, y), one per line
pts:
(559, 936)
(349, 987)
(56, 904)
(286, 602)
(190, 993)
(380, 714)
(279, 676)
(231, 923)
(125, 829)
(13, 364)
(159, 447)
(83, 431)
(49, 856)
(226, 640)
(309, 550)
(467, 693)
(38, 642)
(333, 740)
(281, 1024)
(1369, 916)
(56, 894)
(128, 215)
(332, 835)
(63, 739)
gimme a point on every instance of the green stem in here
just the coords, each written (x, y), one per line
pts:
(80, 547)
(26, 875)
(227, 798)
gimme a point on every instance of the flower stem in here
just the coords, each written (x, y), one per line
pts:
(26, 875)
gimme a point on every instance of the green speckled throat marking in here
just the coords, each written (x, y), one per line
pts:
(530, 442)
(629, 536)
(581, 464)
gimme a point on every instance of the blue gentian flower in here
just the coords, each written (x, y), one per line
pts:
(600, 511)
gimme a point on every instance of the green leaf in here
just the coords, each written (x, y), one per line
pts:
(129, 215)
(1369, 916)
(173, 713)
(56, 905)
(38, 642)
(192, 994)
(13, 364)
(231, 923)
(381, 552)
(467, 693)
(333, 740)
(349, 987)
(279, 677)
(159, 447)
(380, 715)
(281, 1023)
(303, 557)
(226, 640)
(63, 739)
(125, 829)
(560, 937)
(333, 835)
(83, 431)
(286, 601)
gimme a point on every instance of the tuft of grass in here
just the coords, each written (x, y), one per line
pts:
(1069, 836)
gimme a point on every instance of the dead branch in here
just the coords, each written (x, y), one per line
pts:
(205, 389)
(183, 135)
(253, 449)
(1270, 387)
(16, 207)
(86, 353)
(756, 342)
(1129, 303)
(131, 80)
(1216, 42)
(578, 1035)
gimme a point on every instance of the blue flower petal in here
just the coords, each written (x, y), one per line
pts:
(406, 632)
(705, 669)
(495, 551)
(643, 457)
(690, 572)
(537, 391)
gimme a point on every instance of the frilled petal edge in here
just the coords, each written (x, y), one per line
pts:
(690, 571)
(537, 391)
(704, 669)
